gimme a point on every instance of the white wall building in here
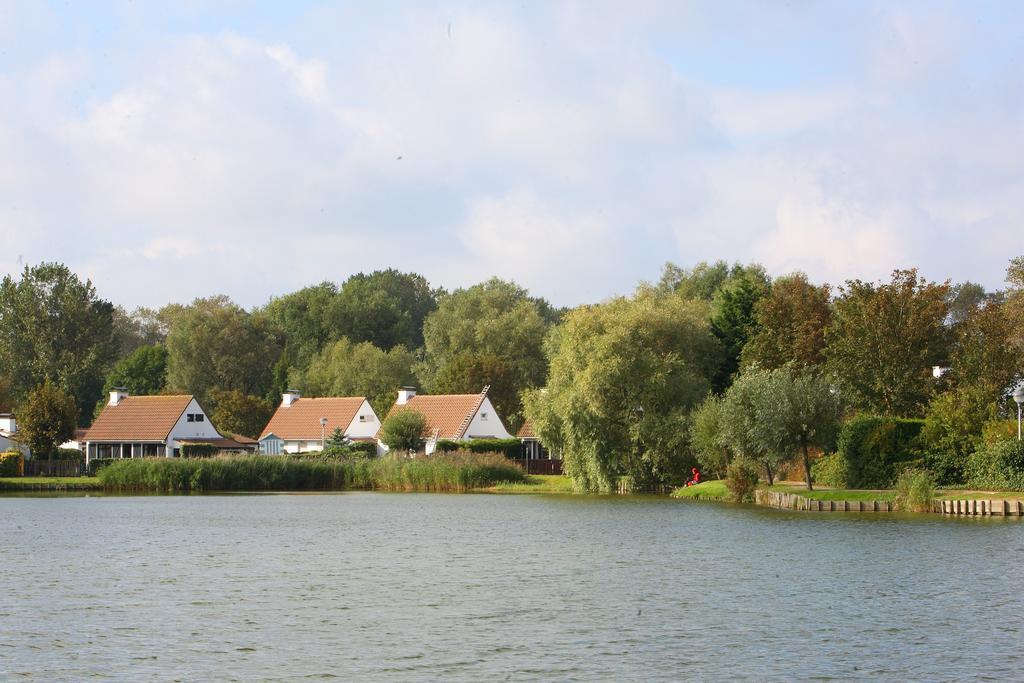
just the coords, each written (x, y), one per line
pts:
(300, 425)
(456, 417)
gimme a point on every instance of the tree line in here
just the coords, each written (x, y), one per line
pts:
(686, 367)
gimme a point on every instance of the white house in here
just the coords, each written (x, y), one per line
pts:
(145, 426)
(456, 417)
(9, 435)
(300, 425)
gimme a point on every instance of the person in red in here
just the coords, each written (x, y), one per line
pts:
(696, 477)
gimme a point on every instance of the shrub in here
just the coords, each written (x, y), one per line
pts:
(198, 450)
(915, 490)
(998, 430)
(997, 466)
(830, 470)
(876, 447)
(511, 448)
(12, 464)
(96, 464)
(741, 479)
(70, 454)
(403, 431)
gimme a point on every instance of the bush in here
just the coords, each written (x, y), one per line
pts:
(915, 490)
(998, 430)
(12, 464)
(198, 450)
(70, 454)
(403, 431)
(96, 464)
(511, 448)
(998, 466)
(875, 448)
(741, 478)
(830, 470)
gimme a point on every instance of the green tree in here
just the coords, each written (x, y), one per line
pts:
(233, 412)
(143, 372)
(304, 320)
(953, 430)
(403, 430)
(46, 419)
(733, 320)
(741, 429)
(53, 327)
(624, 376)
(700, 282)
(790, 323)
(493, 333)
(347, 369)
(336, 440)
(1015, 302)
(963, 299)
(386, 308)
(215, 344)
(141, 327)
(706, 437)
(884, 339)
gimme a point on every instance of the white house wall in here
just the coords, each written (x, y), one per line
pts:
(486, 427)
(367, 427)
(184, 429)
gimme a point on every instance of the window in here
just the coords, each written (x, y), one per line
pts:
(366, 418)
(190, 417)
(200, 417)
(483, 416)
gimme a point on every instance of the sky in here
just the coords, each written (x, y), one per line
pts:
(170, 151)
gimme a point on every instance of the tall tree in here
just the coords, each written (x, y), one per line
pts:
(347, 369)
(304, 318)
(385, 308)
(790, 325)
(215, 344)
(46, 419)
(884, 339)
(624, 376)
(733, 320)
(740, 421)
(700, 282)
(54, 327)
(1015, 302)
(963, 299)
(233, 412)
(707, 436)
(142, 373)
(492, 333)
(403, 431)
(141, 327)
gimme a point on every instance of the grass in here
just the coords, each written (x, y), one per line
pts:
(706, 490)
(50, 484)
(534, 483)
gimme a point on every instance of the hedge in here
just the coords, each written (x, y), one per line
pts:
(877, 448)
(198, 450)
(997, 466)
(355, 449)
(70, 454)
(96, 464)
(510, 448)
(12, 464)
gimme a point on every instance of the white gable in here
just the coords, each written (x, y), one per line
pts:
(364, 424)
(486, 424)
(194, 428)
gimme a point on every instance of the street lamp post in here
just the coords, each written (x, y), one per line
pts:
(323, 434)
(1018, 397)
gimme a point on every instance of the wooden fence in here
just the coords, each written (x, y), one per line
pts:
(57, 468)
(539, 466)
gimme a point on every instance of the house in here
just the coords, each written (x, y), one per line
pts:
(145, 426)
(9, 435)
(458, 417)
(533, 449)
(300, 425)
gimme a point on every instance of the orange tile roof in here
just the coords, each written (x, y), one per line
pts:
(301, 420)
(138, 418)
(526, 431)
(448, 414)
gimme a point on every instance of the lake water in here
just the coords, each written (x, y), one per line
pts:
(365, 586)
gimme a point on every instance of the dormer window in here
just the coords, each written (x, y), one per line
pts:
(195, 417)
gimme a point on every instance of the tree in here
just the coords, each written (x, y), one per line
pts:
(492, 332)
(1015, 302)
(304, 320)
(733, 320)
(215, 344)
(236, 413)
(740, 421)
(706, 437)
(347, 369)
(403, 431)
(46, 419)
(790, 323)
(141, 327)
(798, 410)
(385, 308)
(963, 299)
(624, 376)
(142, 373)
(983, 355)
(700, 282)
(335, 440)
(53, 327)
(884, 339)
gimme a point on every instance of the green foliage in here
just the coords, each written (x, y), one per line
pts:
(983, 357)
(454, 472)
(883, 341)
(12, 464)
(403, 430)
(236, 413)
(347, 369)
(491, 333)
(385, 308)
(706, 437)
(830, 470)
(790, 325)
(953, 430)
(995, 431)
(142, 373)
(914, 490)
(97, 464)
(997, 466)
(353, 450)
(740, 423)
(54, 328)
(336, 439)
(706, 490)
(69, 454)
(304, 319)
(733, 320)
(198, 450)
(741, 479)
(510, 448)
(141, 327)
(624, 376)
(46, 419)
(876, 448)
(215, 344)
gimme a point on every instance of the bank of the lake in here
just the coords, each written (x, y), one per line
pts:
(50, 484)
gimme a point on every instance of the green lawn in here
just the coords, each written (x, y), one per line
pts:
(49, 483)
(535, 483)
(851, 495)
(707, 490)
